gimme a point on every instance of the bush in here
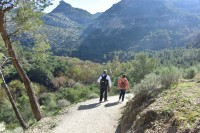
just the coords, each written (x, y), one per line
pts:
(149, 83)
(197, 78)
(58, 82)
(72, 95)
(79, 93)
(17, 88)
(7, 114)
(63, 103)
(25, 108)
(38, 89)
(190, 73)
(40, 74)
(93, 95)
(2, 94)
(49, 101)
(169, 75)
(142, 65)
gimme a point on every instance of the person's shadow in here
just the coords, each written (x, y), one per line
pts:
(111, 104)
(89, 106)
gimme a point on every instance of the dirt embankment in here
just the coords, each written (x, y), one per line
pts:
(173, 110)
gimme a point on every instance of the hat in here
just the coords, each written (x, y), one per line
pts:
(105, 71)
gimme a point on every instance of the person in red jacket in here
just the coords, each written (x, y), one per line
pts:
(123, 85)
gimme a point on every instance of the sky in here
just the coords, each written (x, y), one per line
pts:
(92, 6)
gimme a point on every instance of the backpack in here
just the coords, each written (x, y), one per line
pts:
(104, 81)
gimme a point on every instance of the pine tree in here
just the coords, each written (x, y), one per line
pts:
(24, 12)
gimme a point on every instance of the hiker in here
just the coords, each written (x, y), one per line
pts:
(105, 82)
(122, 86)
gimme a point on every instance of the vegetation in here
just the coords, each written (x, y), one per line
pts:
(165, 80)
(22, 19)
(61, 81)
(164, 96)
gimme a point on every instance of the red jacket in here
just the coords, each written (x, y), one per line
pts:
(123, 84)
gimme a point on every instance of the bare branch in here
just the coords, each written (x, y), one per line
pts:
(14, 32)
(5, 60)
(6, 5)
(8, 8)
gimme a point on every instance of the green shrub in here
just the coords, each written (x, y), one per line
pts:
(7, 113)
(17, 88)
(149, 83)
(2, 94)
(24, 107)
(79, 93)
(190, 73)
(197, 78)
(93, 95)
(49, 104)
(63, 103)
(40, 74)
(72, 95)
(50, 101)
(169, 75)
(142, 65)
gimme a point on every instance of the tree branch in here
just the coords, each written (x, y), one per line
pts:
(14, 32)
(5, 60)
(8, 8)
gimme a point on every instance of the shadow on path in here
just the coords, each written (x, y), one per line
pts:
(89, 106)
(118, 130)
(111, 104)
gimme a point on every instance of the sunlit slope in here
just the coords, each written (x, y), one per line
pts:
(140, 25)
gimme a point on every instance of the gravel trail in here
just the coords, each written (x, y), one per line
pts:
(88, 117)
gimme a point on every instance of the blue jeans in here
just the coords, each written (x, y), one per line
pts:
(122, 94)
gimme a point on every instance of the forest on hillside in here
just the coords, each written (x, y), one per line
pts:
(57, 82)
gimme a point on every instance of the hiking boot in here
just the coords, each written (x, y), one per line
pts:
(105, 100)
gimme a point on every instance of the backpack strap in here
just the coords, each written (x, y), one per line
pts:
(104, 76)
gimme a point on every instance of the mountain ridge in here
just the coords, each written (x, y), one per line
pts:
(80, 16)
(131, 25)
(64, 26)
(128, 25)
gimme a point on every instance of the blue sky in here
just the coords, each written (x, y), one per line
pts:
(91, 6)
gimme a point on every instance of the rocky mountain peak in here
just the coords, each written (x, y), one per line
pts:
(80, 16)
(62, 7)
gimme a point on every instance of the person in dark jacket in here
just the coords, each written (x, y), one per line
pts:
(105, 82)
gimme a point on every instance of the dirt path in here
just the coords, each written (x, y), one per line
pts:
(88, 117)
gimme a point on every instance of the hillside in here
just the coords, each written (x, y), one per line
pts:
(129, 25)
(175, 110)
(132, 25)
(64, 26)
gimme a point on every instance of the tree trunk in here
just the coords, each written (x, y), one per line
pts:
(18, 115)
(20, 70)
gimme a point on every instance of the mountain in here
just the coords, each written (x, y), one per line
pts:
(140, 25)
(190, 6)
(77, 15)
(64, 26)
